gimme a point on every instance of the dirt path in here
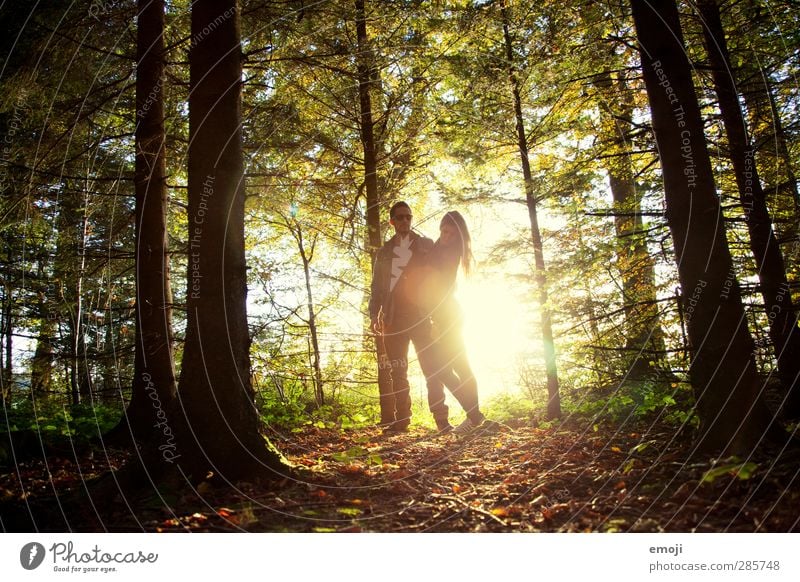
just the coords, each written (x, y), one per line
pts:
(521, 479)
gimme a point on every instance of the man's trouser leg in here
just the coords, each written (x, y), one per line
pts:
(385, 389)
(397, 352)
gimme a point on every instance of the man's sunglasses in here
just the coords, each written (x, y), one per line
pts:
(402, 217)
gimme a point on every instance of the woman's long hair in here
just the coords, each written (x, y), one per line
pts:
(456, 220)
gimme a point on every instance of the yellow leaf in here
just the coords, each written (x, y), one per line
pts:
(616, 449)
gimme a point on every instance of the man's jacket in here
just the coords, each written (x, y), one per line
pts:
(403, 297)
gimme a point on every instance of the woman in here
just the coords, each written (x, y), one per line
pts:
(453, 248)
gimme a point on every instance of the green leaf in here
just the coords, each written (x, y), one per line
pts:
(742, 471)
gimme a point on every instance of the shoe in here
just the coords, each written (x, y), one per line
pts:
(490, 426)
(395, 429)
(445, 428)
(465, 428)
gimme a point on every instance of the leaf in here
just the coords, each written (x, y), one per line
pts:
(742, 471)
(746, 471)
(616, 449)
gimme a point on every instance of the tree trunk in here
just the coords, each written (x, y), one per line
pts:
(217, 421)
(366, 74)
(723, 372)
(775, 291)
(553, 395)
(8, 334)
(42, 362)
(644, 336)
(154, 386)
(316, 366)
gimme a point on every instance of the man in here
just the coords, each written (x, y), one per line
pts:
(396, 316)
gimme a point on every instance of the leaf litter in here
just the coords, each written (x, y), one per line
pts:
(521, 479)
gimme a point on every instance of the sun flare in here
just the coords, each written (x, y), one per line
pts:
(495, 331)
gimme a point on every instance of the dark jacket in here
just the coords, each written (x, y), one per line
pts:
(404, 296)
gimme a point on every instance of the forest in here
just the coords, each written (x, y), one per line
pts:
(193, 195)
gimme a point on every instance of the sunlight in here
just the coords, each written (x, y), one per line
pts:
(495, 331)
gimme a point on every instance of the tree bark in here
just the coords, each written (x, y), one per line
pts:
(217, 421)
(42, 362)
(316, 357)
(643, 331)
(775, 291)
(154, 383)
(723, 371)
(553, 395)
(365, 73)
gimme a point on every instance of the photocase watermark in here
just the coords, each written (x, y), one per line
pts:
(776, 307)
(689, 169)
(691, 303)
(213, 26)
(151, 98)
(194, 241)
(747, 194)
(31, 555)
(560, 496)
(99, 8)
(65, 558)
(14, 126)
(387, 364)
(727, 285)
(168, 448)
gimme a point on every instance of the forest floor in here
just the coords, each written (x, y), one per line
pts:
(519, 478)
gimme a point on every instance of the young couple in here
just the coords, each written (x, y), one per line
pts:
(412, 301)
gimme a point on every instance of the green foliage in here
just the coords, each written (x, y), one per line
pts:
(739, 470)
(296, 409)
(54, 419)
(358, 453)
(286, 409)
(645, 399)
(505, 407)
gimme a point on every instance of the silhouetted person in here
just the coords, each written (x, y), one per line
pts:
(396, 314)
(453, 248)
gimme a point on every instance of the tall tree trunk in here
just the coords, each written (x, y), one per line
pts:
(217, 421)
(316, 358)
(42, 361)
(775, 291)
(553, 395)
(8, 333)
(723, 371)
(644, 335)
(81, 370)
(366, 74)
(154, 384)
